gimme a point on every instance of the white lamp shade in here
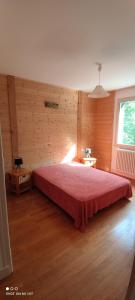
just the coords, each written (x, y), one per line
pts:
(98, 92)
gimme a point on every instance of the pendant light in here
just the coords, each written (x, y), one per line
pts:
(99, 91)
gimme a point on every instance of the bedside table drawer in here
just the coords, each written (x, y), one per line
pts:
(24, 178)
(89, 161)
(20, 180)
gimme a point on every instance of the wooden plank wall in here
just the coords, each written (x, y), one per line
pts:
(42, 135)
(104, 131)
(5, 123)
(13, 115)
(86, 123)
(45, 135)
(95, 127)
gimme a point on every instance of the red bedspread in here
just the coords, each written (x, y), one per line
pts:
(81, 190)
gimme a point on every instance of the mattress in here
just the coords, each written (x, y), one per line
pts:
(80, 190)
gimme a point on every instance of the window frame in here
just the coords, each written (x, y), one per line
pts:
(123, 146)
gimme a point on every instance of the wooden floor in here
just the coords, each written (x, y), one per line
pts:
(57, 262)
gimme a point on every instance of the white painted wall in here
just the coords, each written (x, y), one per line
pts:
(125, 93)
(5, 251)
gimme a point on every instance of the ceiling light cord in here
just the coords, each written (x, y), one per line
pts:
(99, 76)
(99, 70)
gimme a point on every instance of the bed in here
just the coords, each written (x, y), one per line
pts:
(80, 190)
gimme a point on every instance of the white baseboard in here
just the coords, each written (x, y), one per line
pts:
(5, 272)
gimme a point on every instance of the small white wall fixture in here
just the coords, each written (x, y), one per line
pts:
(6, 267)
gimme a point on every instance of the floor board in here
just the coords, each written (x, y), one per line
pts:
(57, 262)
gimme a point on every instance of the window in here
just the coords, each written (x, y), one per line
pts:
(123, 148)
(126, 123)
(126, 126)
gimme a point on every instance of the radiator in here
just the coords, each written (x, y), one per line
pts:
(124, 162)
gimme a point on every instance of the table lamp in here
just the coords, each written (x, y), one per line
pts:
(18, 161)
(88, 152)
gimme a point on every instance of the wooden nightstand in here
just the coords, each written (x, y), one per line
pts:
(20, 180)
(89, 161)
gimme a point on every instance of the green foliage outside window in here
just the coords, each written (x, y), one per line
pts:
(128, 122)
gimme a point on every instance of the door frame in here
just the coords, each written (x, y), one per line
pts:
(5, 250)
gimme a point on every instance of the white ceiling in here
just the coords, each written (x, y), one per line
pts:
(58, 41)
